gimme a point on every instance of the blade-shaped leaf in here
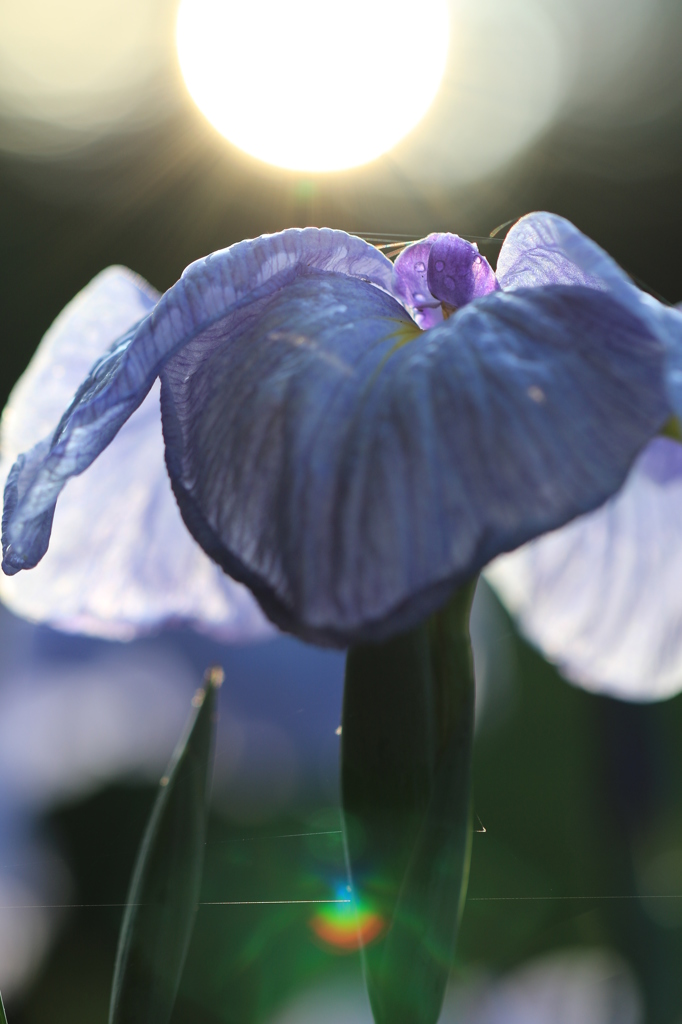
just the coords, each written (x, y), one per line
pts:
(3, 1015)
(406, 781)
(164, 890)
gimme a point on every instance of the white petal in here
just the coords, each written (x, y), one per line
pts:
(601, 597)
(121, 562)
(571, 986)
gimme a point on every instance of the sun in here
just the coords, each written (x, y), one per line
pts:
(313, 85)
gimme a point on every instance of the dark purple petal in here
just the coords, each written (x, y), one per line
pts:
(442, 268)
(457, 273)
(230, 283)
(354, 472)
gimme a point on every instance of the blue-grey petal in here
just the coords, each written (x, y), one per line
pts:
(225, 284)
(601, 597)
(543, 249)
(108, 570)
(354, 471)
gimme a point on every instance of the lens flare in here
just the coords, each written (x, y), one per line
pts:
(347, 926)
(311, 86)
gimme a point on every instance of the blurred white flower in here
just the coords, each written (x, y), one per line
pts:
(570, 987)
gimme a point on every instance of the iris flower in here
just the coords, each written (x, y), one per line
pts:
(353, 440)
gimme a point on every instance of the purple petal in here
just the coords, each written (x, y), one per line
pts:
(410, 283)
(601, 597)
(354, 471)
(457, 273)
(543, 248)
(108, 571)
(442, 268)
(225, 284)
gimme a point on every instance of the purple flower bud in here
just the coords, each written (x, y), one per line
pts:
(457, 273)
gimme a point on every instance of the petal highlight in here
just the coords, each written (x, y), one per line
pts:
(544, 249)
(601, 597)
(354, 473)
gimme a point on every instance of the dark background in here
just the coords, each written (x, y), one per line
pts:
(580, 797)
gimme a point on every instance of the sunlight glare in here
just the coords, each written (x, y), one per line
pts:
(310, 85)
(78, 63)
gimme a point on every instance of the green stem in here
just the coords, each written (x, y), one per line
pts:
(406, 789)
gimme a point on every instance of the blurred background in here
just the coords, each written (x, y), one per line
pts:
(575, 900)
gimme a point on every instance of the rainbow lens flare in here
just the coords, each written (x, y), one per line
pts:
(346, 926)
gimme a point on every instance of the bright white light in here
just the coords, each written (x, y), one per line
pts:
(78, 63)
(311, 84)
(505, 82)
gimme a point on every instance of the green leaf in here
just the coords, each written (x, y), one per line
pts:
(406, 788)
(3, 1015)
(164, 891)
